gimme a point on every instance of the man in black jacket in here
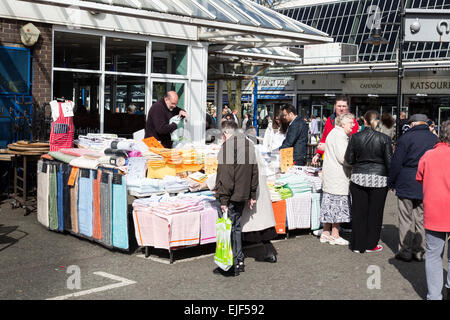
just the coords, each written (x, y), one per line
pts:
(159, 116)
(236, 183)
(409, 149)
(296, 135)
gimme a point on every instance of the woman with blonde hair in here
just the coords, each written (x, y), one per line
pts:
(369, 152)
(335, 207)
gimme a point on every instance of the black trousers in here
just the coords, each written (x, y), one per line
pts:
(235, 210)
(367, 216)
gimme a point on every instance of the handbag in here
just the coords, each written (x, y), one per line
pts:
(224, 253)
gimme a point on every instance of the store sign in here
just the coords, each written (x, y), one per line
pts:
(271, 84)
(427, 85)
(368, 86)
(389, 86)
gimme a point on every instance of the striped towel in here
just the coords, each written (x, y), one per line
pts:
(84, 163)
(85, 202)
(42, 192)
(66, 197)
(279, 212)
(298, 211)
(105, 207)
(97, 230)
(315, 210)
(59, 202)
(119, 212)
(208, 220)
(57, 155)
(143, 227)
(184, 229)
(53, 199)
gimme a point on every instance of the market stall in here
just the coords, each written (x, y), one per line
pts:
(85, 186)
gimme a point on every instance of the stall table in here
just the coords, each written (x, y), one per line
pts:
(22, 161)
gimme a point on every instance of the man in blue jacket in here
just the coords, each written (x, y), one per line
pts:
(296, 135)
(402, 177)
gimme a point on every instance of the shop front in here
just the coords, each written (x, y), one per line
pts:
(423, 92)
(124, 74)
(316, 95)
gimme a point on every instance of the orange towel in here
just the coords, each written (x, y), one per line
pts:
(279, 212)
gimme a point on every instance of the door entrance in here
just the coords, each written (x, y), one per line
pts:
(444, 115)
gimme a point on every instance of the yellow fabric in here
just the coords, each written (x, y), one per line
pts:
(161, 172)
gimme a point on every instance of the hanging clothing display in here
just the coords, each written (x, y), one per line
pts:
(96, 225)
(43, 179)
(62, 130)
(53, 199)
(59, 202)
(66, 197)
(85, 184)
(74, 201)
(105, 206)
(119, 212)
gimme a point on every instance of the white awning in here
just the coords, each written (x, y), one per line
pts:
(243, 17)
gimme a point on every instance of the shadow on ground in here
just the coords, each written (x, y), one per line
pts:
(6, 240)
(412, 271)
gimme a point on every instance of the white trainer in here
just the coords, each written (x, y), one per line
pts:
(339, 241)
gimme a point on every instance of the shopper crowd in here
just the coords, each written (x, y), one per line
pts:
(362, 159)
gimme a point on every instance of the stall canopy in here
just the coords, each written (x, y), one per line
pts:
(231, 27)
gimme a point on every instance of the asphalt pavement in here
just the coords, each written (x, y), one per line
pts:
(38, 264)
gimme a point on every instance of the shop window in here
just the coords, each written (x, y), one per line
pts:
(124, 105)
(123, 55)
(169, 58)
(76, 51)
(124, 92)
(83, 90)
(161, 88)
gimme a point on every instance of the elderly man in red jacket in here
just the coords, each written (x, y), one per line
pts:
(340, 107)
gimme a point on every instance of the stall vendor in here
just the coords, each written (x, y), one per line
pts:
(159, 116)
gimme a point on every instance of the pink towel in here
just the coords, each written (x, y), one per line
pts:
(79, 152)
(143, 225)
(185, 229)
(208, 226)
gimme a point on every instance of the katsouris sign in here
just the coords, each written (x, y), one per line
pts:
(389, 86)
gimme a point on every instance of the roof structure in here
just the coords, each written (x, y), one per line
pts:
(302, 3)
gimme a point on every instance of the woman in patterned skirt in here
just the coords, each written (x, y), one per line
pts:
(335, 207)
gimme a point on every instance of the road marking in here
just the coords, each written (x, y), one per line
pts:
(122, 282)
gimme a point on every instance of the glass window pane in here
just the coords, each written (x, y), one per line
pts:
(123, 55)
(83, 90)
(124, 105)
(121, 92)
(161, 88)
(169, 58)
(76, 51)
(341, 9)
